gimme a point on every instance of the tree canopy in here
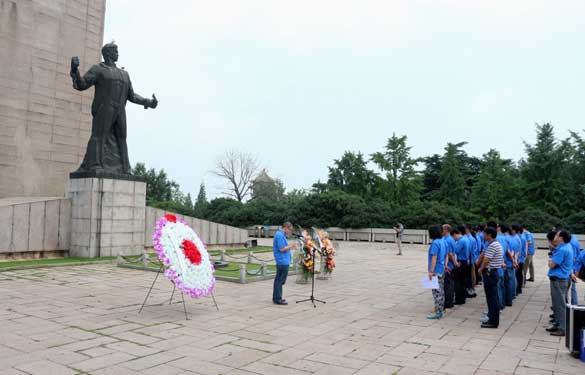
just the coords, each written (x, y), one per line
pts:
(545, 188)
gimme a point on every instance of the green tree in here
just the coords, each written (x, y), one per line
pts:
(351, 175)
(200, 208)
(545, 184)
(402, 183)
(577, 170)
(431, 173)
(188, 202)
(452, 185)
(159, 188)
(494, 196)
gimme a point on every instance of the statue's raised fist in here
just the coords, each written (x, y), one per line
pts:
(74, 64)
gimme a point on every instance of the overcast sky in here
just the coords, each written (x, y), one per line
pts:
(299, 82)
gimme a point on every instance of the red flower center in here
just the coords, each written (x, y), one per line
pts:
(170, 217)
(191, 252)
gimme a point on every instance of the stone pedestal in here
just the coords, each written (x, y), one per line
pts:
(107, 216)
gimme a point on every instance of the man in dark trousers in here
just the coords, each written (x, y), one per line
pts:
(489, 262)
(282, 256)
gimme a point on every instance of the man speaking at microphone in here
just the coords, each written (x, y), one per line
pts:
(282, 257)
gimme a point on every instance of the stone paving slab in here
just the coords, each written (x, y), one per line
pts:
(84, 320)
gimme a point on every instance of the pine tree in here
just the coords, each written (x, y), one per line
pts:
(451, 181)
(201, 204)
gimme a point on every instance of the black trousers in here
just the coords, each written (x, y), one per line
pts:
(461, 276)
(490, 286)
(449, 288)
(519, 278)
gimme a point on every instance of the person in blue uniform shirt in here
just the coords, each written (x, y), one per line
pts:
(520, 256)
(282, 256)
(576, 246)
(463, 254)
(529, 262)
(577, 266)
(559, 273)
(470, 278)
(510, 260)
(451, 262)
(436, 267)
(503, 241)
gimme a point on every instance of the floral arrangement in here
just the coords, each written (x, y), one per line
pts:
(327, 250)
(306, 254)
(184, 256)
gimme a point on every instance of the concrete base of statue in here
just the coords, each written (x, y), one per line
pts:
(107, 216)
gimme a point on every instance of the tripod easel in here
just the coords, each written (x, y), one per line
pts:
(312, 298)
(160, 270)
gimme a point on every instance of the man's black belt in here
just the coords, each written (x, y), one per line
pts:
(554, 278)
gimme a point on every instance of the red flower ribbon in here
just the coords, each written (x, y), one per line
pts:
(191, 252)
(170, 217)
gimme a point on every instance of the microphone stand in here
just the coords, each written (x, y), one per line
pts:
(312, 298)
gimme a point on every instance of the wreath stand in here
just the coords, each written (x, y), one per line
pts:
(160, 270)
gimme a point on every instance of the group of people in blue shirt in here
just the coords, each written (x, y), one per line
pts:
(502, 257)
(566, 260)
(456, 256)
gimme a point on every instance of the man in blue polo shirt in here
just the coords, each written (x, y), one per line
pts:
(282, 257)
(520, 256)
(463, 253)
(503, 241)
(560, 270)
(450, 266)
(576, 246)
(528, 262)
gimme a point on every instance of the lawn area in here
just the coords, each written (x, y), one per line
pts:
(231, 271)
(256, 250)
(73, 260)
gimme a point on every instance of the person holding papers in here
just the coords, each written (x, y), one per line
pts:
(436, 268)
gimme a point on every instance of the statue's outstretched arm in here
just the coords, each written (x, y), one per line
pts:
(137, 99)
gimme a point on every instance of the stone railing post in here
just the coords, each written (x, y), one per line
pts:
(263, 269)
(242, 273)
(250, 255)
(222, 255)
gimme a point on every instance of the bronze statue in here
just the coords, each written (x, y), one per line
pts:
(107, 151)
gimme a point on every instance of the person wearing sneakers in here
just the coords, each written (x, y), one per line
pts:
(436, 267)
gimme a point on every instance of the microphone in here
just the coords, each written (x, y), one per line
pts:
(297, 235)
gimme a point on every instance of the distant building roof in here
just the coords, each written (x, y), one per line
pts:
(263, 177)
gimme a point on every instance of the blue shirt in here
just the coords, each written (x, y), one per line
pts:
(474, 247)
(522, 255)
(481, 242)
(437, 249)
(575, 245)
(563, 258)
(579, 262)
(504, 241)
(463, 249)
(529, 237)
(449, 249)
(282, 258)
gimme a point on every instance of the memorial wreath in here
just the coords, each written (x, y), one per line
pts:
(184, 256)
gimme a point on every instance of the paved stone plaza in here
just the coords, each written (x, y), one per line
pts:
(84, 319)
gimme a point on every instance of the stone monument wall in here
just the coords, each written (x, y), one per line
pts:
(44, 123)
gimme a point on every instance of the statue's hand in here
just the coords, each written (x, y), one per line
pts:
(74, 65)
(153, 102)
